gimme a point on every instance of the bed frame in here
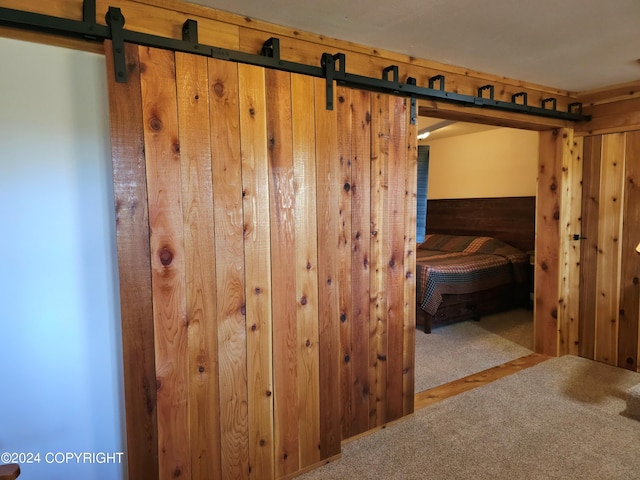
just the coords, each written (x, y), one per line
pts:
(510, 219)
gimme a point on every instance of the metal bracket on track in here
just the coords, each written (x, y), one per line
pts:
(115, 20)
(328, 63)
(414, 103)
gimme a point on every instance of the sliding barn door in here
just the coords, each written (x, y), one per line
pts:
(610, 289)
(266, 265)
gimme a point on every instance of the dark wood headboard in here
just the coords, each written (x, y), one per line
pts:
(510, 219)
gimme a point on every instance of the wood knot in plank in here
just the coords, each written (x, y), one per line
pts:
(303, 300)
(218, 88)
(347, 187)
(166, 256)
(177, 472)
(155, 124)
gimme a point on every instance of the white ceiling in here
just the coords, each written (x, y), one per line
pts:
(574, 45)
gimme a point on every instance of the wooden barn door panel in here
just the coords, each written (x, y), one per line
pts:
(610, 290)
(266, 261)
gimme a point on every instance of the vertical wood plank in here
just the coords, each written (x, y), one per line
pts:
(410, 223)
(589, 248)
(197, 195)
(343, 113)
(378, 310)
(257, 251)
(548, 242)
(229, 251)
(609, 248)
(328, 177)
(569, 281)
(304, 169)
(360, 245)
(283, 273)
(134, 265)
(159, 106)
(394, 256)
(630, 267)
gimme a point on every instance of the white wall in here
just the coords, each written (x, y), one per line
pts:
(60, 341)
(501, 162)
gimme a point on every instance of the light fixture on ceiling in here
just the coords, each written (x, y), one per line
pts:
(425, 132)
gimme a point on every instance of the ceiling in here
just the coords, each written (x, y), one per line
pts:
(573, 45)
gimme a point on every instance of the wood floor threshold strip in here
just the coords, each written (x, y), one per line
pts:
(437, 394)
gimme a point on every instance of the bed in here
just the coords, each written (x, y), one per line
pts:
(465, 277)
(475, 259)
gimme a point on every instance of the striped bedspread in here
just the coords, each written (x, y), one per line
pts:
(464, 264)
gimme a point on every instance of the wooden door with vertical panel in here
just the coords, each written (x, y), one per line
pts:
(266, 263)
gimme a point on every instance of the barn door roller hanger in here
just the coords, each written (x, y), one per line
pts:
(332, 66)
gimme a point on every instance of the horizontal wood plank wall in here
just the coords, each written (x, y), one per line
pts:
(258, 267)
(510, 219)
(610, 265)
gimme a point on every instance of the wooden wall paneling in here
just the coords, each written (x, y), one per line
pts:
(630, 265)
(609, 248)
(410, 222)
(134, 266)
(344, 114)
(304, 172)
(548, 242)
(197, 204)
(328, 194)
(160, 119)
(569, 281)
(611, 117)
(230, 265)
(257, 253)
(394, 256)
(360, 254)
(510, 219)
(283, 271)
(378, 312)
(589, 248)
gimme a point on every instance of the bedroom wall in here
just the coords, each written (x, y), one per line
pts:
(501, 162)
(59, 323)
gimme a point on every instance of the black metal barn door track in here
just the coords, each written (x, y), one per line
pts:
(332, 67)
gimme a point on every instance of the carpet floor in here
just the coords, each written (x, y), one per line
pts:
(454, 351)
(562, 419)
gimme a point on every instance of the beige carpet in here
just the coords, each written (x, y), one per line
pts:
(562, 419)
(455, 351)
